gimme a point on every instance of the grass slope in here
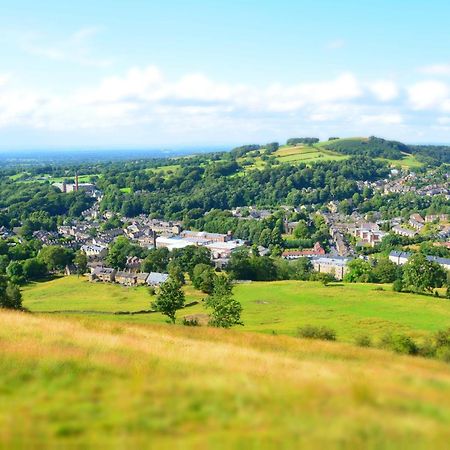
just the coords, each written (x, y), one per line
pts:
(282, 306)
(70, 383)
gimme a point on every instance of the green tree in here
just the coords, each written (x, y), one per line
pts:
(156, 260)
(15, 272)
(385, 271)
(81, 262)
(301, 231)
(34, 269)
(176, 272)
(170, 298)
(421, 275)
(203, 278)
(359, 271)
(10, 296)
(226, 310)
(56, 258)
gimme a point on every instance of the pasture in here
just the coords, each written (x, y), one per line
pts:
(268, 307)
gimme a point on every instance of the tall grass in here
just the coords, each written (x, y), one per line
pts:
(87, 383)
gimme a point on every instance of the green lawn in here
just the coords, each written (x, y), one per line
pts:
(281, 307)
(351, 309)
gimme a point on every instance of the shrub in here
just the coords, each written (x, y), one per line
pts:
(313, 332)
(151, 290)
(442, 338)
(363, 340)
(397, 285)
(190, 322)
(399, 343)
(443, 353)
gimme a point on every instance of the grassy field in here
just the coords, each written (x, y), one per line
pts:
(78, 294)
(306, 154)
(87, 383)
(281, 307)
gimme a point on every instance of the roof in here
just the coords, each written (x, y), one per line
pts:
(103, 270)
(125, 275)
(157, 277)
(399, 254)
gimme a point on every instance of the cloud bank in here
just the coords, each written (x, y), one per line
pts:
(195, 105)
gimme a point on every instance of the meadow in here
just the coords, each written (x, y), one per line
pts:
(87, 383)
(268, 307)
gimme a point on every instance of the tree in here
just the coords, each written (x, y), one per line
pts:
(10, 296)
(385, 271)
(358, 271)
(421, 275)
(56, 258)
(34, 269)
(170, 298)
(301, 231)
(302, 268)
(156, 260)
(226, 310)
(203, 278)
(176, 272)
(81, 262)
(15, 272)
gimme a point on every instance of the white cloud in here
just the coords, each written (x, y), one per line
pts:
(76, 48)
(436, 69)
(384, 90)
(143, 98)
(428, 94)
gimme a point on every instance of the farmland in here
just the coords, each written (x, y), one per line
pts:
(280, 307)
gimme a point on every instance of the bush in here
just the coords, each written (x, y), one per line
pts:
(363, 340)
(399, 343)
(443, 353)
(313, 332)
(151, 290)
(190, 322)
(397, 285)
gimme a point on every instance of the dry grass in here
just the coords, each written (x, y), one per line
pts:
(85, 383)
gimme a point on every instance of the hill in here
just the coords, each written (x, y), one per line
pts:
(372, 146)
(71, 383)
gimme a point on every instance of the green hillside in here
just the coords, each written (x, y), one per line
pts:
(71, 383)
(281, 306)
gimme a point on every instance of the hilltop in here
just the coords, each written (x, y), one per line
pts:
(93, 384)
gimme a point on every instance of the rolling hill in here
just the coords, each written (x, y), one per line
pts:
(86, 383)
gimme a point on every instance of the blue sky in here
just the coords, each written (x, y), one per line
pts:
(181, 73)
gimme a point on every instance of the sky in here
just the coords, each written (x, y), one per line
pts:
(168, 74)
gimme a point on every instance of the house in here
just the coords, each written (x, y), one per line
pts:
(403, 231)
(202, 236)
(399, 258)
(105, 274)
(317, 250)
(141, 278)
(94, 251)
(417, 217)
(133, 263)
(157, 278)
(436, 218)
(126, 278)
(334, 265)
